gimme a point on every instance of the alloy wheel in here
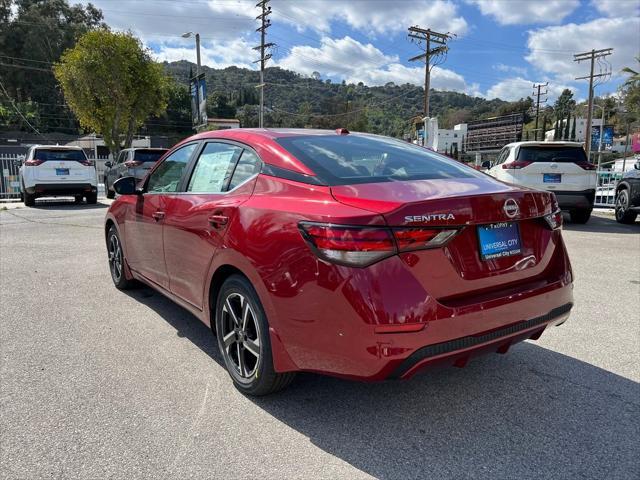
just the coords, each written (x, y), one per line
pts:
(621, 204)
(115, 258)
(240, 336)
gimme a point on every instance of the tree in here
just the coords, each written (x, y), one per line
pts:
(567, 126)
(33, 35)
(573, 130)
(112, 85)
(630, 91)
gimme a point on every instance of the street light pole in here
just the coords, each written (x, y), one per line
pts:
(197, 35)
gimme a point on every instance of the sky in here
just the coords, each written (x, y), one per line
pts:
(500, 48)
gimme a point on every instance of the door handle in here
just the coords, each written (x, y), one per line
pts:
(216, 221)
(158, 216)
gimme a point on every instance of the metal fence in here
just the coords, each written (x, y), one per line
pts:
(606, 188)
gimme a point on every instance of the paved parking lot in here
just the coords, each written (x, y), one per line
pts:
(97, 383)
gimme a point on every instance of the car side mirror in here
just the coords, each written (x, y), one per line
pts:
(108, 164)
(636, 165)
(486, 164)
(126, 186)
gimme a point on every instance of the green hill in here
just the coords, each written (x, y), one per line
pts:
(293, 100)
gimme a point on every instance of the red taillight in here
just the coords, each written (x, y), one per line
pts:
(516, 165)
(87, 163)
(362, 246)
(34, 162)
(132, 163)
(418, 238)
(586, 165)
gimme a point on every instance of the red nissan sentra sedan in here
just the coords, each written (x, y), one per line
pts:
(348, 254)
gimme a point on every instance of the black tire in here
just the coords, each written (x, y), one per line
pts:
(116, 259)
(623, 215)
(78, 198)
(108, 192)
(29, 199)
(580, 215)
(92, 198)
(246, 338)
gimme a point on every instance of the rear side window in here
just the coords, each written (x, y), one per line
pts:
(248, 166)
(148, 155)
(51, 154)
(346, 159)
(552, 154)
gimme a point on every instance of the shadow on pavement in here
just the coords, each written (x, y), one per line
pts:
(601, 224)
(533, 413)
(60, 204)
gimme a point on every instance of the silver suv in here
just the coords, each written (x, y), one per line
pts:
(131, 162)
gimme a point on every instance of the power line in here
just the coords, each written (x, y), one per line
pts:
(539, 94)
(419, 35)
(592, 56)
(262, 48)
(19, 112)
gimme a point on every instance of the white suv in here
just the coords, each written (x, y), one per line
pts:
(57, 171)
(558, 167)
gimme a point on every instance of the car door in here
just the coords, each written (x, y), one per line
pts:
(112, 172)
(495, 170)
(221, 180)
(144, 225)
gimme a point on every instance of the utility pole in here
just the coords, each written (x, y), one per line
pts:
(262, 48)
(592, 56)
(439, 40)
(538, 93)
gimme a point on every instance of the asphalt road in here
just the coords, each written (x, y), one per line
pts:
(96, 383)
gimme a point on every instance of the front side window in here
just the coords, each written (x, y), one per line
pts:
(347, 159)
(214, 168)
(166, 178)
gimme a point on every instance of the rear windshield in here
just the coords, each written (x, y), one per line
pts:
(50, 154)
(552, 154)
(347, 159)
(148, 155)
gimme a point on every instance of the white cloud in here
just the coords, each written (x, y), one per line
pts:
(552, 48)
(517, 12)
(363, 15)
(516, 88)
(355, 62)
(617, 8)
(501, 67)
(236, 52)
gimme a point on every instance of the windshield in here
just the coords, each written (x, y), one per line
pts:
(552, 154)
(347, 159)
(51, 154)
(148, 155)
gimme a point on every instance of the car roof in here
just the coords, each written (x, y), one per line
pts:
(270, 133)
(145, 148)
(58, 147)
(558, 143)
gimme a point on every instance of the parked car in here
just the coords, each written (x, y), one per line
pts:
(54, 171)
(628, 195)
(558, 167)
(354, 255)
(133, 162)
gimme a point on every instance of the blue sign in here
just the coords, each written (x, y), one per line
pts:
(607, 137)
(499, 240)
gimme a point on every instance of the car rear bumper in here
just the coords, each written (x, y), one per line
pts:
(575, 199)
(61, 189)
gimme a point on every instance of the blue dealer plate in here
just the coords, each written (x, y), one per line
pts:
(552, 178)
(499, 240)
(62, 171)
